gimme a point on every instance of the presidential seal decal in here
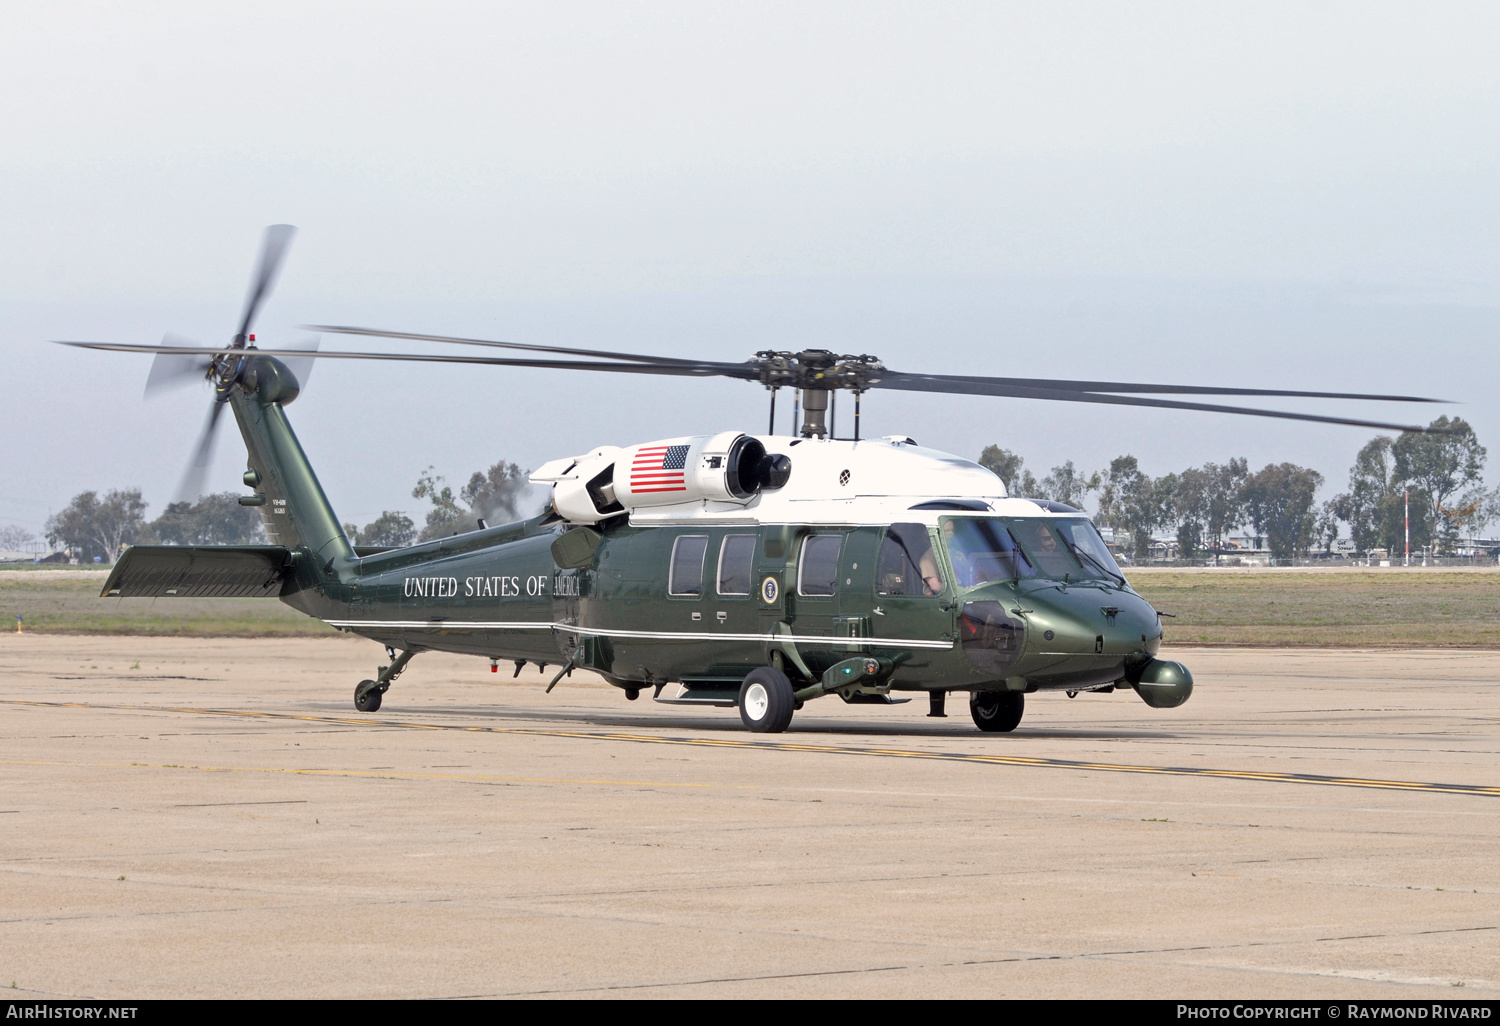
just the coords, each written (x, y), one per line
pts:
(769, 591)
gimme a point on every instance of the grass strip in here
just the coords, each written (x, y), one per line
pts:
(1430, 609)
(1361, 609)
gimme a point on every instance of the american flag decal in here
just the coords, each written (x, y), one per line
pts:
(659, 468)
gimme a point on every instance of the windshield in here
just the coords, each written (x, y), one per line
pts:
(1083, 538)
(985, 549)
(981, 549)
(1065, 548)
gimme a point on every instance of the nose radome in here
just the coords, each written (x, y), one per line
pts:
(1083, 624)
(1062, 628)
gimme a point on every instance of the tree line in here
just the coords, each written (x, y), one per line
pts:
(95, 528)
(1200, 506)
(490, 496)
(1442, 473)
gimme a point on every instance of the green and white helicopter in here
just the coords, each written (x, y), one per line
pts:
(743, 571)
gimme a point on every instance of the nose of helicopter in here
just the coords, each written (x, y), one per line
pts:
(1084, 621)
(1070, 637)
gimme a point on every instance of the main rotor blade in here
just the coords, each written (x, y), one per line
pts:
(171, 369)
(742, 371)
(600, 353)
(195, 479)
(1147, 387)
(749, 372)
(272, 252)
(1085, 386)
(927, 383)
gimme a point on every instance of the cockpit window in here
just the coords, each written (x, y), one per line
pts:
(1065, 548)
(981, 549)
(907, 564)
(1084, 539)
(985, 549)
(1048, 552)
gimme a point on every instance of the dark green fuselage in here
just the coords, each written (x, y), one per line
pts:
(505, 598)
(608, 599)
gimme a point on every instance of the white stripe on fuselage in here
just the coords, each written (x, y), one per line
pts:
(541, 625)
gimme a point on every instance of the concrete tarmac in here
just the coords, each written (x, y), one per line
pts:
(212, 818)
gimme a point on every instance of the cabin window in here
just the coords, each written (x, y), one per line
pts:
(818, 570)
(908, 565)
(686, 576)
(736, 562)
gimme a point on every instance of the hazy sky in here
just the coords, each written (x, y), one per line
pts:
(1295, 196)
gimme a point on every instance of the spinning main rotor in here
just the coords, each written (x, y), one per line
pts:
(815, 374)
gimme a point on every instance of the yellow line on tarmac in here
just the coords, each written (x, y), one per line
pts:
(380, 774)
(1030, 762)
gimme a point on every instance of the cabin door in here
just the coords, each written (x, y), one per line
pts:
(820, 584)
(912, 595)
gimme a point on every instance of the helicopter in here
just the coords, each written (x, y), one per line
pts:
(749, 571)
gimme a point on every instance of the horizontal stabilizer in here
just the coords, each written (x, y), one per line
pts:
(199, 571)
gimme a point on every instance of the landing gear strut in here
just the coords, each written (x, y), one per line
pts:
(367, 693)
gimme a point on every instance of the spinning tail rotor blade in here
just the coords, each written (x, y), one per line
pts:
(195, 479)
(272, 252)
(300, 365)
(170, 370)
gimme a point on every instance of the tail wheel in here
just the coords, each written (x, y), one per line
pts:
(998, 711)
(766, 700)
(367, 696)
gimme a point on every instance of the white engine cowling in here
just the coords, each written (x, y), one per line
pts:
(581, 489)
(727, 467)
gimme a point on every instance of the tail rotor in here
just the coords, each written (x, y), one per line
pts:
(195, 478)
(272, 252)
(170, 370)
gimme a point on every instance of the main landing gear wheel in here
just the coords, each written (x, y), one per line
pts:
(997, 710)
(766, 700)
(367, 696)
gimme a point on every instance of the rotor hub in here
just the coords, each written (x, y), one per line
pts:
(817, 370)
